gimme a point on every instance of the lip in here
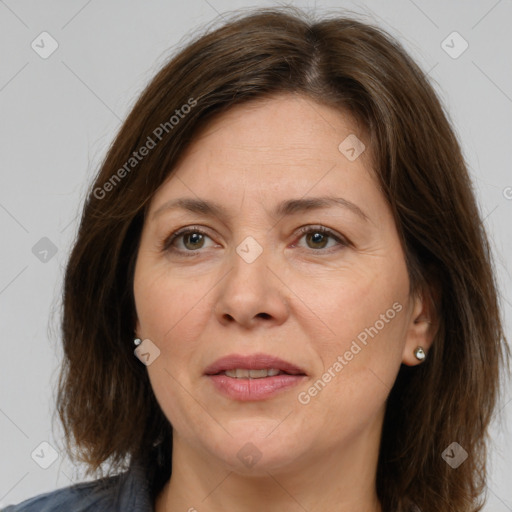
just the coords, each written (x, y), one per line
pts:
(246, 389)
(252, 362)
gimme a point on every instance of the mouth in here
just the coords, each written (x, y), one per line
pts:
(256, 366)
(245, 373)
(255, 377)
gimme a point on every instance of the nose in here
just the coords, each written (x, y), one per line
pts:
(252, 292)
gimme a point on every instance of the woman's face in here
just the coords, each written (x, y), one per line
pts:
(334, 305)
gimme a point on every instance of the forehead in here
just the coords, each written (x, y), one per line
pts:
(287, 124)
(281, 145)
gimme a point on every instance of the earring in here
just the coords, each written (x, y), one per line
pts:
(137, 341)
(419, 353)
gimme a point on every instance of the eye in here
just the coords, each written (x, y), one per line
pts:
(318, 237)
(193, 239)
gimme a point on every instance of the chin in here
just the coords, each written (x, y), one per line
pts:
(252, 451)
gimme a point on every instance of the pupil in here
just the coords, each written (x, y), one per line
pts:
(194, 238)
(317, 237)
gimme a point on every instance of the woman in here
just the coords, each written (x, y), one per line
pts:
(281, 287)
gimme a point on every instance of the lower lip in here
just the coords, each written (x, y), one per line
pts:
(254, 389)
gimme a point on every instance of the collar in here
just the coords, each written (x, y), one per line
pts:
(133, 491)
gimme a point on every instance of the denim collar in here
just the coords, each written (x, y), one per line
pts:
(133, 491)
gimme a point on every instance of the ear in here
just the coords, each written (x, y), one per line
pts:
(423, 324)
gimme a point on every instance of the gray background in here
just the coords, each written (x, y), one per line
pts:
(59, 114)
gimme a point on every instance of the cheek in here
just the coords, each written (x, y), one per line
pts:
(341, 305)
(171, 313)
(168, 307)
(168, 312)
(357, 370)
(358, 326)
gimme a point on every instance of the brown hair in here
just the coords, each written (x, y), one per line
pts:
(105, 400)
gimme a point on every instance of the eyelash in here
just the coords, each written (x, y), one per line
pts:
(166, 244)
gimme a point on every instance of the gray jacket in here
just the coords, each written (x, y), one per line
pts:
(126, 492)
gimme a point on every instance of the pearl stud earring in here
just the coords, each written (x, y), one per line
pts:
(419, 353)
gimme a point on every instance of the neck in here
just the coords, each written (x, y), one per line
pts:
(342, 480)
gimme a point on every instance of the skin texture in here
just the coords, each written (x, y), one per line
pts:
(304, 299)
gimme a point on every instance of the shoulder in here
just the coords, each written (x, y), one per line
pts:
(83, 497)
(126, 491)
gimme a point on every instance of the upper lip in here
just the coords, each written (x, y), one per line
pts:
(252, 362)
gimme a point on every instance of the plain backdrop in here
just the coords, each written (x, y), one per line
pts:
(59, 112)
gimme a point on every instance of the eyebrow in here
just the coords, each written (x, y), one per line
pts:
(285, 208)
